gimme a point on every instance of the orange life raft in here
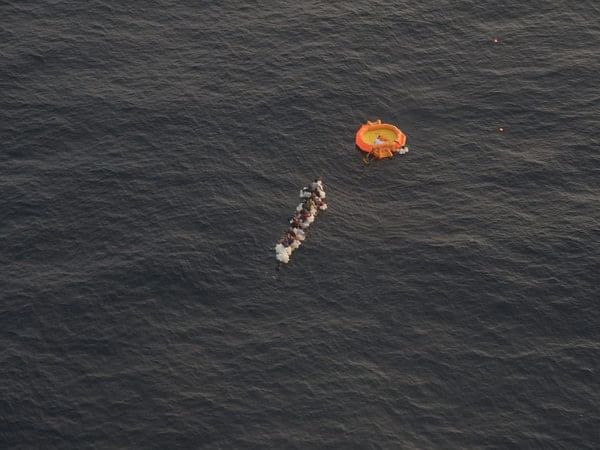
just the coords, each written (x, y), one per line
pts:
(380, 140)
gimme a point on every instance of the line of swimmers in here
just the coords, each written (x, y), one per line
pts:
(313, 200)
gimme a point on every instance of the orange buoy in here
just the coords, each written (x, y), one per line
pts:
(380, 140)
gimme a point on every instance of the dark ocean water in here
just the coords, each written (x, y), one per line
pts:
(152, 154)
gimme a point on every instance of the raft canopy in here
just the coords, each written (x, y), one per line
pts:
(379, 137)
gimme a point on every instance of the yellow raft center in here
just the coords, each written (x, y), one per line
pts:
(387, 135)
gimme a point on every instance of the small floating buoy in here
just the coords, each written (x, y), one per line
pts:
(496, 40)
(501, 130)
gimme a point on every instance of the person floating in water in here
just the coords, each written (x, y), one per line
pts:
(317, 184)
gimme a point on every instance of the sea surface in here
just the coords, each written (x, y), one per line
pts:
(151, 155)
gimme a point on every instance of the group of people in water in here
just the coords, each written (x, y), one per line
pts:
(313, 201)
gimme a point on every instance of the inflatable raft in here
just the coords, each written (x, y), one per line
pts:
(380, 140)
